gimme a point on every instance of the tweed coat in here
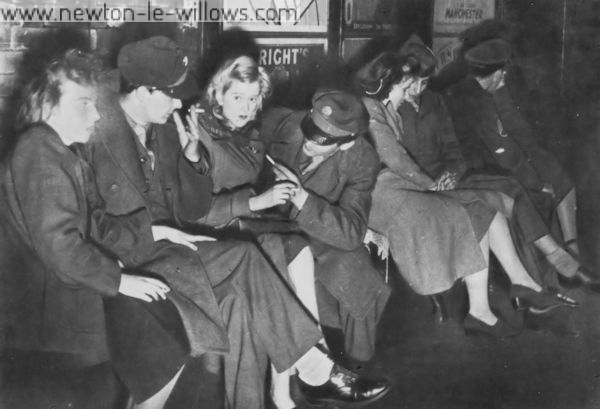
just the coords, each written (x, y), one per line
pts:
(53, 274)
(434, 236)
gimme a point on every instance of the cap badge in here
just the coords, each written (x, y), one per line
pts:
(326, 110)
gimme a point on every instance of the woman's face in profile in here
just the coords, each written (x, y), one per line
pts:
(240, 103)
(417, 87)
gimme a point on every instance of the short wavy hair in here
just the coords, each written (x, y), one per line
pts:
(44, 92)
(244, 69)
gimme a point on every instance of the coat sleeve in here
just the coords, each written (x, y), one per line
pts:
(521, 131)
(391, 152)
(343, 224)
(122, 234)
(53, 216)
(227, 206)
(452, 157)
(190, 196)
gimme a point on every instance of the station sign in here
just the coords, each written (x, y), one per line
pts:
(455, 16)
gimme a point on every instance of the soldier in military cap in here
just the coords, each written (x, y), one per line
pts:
(496, 138)
(334, 167)
(229, 299)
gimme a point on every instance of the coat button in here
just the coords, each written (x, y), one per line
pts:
(178, 270)
(114, 187)
(142, 159)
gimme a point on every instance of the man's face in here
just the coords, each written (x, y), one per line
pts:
(495, 81)
(313, 149)
(75, 114)
(158, 106)
(240, 102)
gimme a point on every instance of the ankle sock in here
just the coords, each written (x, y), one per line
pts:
(563, 262)
(280, 389)
(314, 367)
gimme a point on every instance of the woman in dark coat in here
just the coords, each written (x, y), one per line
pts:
(53, 222)
(436, 235)
(226, 122)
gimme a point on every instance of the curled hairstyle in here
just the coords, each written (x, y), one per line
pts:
(377, 78)
(244, 69)
(44, 92)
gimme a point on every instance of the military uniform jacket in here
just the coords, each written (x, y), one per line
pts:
(494, 133)
(336, 212)
(484, 138)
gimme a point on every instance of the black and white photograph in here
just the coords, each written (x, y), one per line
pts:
(299, 204)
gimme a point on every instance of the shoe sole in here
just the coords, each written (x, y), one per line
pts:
(521, 306)
(479, 333)
(351, 404)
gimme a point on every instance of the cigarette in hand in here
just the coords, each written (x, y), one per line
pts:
(270, 159)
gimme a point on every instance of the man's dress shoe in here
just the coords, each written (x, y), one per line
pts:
(345, 387)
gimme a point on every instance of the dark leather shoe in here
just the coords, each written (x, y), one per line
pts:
(345, 387)
(438, 307)
(501, 329)
(582, 278)
(525, 298)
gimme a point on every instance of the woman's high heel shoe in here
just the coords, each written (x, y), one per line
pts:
(525, 298)
(501, 329)
(582, 278)
(439, 309)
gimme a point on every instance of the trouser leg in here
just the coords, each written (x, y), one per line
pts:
(245, 365)
(359, 334)
(282, 326)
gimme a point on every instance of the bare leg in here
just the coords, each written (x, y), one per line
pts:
(503, 247)
(479, 305)
(158, 400)
(567, 217)
(477, 289)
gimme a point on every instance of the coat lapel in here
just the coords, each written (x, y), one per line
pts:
(120, 144)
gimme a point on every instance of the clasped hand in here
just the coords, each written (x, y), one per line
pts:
(446, 181)
(283, 175)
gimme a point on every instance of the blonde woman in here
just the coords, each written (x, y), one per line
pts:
(226, 120)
